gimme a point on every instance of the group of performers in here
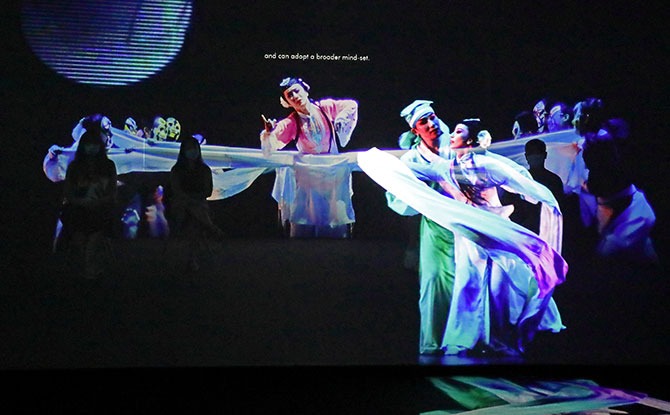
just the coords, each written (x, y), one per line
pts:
(483, 295)
(486, 282)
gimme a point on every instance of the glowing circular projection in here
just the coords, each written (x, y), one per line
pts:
(106, 43)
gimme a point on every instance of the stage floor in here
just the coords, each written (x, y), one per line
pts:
(272, 323)
(278, 302)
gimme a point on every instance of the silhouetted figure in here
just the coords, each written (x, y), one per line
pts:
(611, 203)
(624, 218)
(524, 125)
(88, 214)
(536, 155)
(54, 166)
(191, 185)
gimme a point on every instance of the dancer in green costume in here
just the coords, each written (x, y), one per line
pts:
(427, 141)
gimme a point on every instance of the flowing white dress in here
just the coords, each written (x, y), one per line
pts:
(505, 274)
(316, 191)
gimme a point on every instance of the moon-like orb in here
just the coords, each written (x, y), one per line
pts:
(106, 43)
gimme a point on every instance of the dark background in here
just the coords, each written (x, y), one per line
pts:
(473, 60)
(489, 61)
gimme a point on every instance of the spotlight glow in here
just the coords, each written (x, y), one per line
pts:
(106, 43)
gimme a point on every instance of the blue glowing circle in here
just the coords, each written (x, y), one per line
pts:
(106, 43)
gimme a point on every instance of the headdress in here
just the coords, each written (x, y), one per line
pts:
(130, 125)
(285, 84)
(173, 129)
(200, 138)
(476, 130)
(416, 110)
(159, 131)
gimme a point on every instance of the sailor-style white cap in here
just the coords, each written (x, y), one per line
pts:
(416, 110)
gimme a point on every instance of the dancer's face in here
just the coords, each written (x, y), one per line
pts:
(428, 128)
(554, 119)
(540, 113)
(577, 120)
(297, 97)
(106, 126)
(459, 137)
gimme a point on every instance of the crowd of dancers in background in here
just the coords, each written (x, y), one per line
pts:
(96, 206)
(480, 298)
(480, 290)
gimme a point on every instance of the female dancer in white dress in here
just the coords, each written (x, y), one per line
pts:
(499, 301)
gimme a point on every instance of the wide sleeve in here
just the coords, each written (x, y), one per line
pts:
(630, 229)
(57, 160)
(511, 163)
(437, 175)
(435, 171)
(486, 229)
(551, 218)
(283, 133)
(344, 113)
(513, 181)
(396, 204)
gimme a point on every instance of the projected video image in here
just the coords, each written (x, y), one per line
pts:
(106, 44)
(223, 185)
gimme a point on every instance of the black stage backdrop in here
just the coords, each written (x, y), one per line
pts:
(473, 60)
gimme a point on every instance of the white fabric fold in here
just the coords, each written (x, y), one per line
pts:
(483, 228)
(236, 168)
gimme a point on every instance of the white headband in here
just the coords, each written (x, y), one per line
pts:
(416, 110)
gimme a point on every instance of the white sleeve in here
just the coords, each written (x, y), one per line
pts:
(551, 218)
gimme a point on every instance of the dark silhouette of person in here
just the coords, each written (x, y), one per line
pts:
(536, 155)
(525, 125)
(189, 216)
(619, 211)
(89, 201)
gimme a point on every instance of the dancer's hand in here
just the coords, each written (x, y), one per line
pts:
(268, 125)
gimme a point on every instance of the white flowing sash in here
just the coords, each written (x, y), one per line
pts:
(485, 229)
(236, 168)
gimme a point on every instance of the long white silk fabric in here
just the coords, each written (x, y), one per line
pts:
(486, 229)
(235, 168)
(563, 156)
(316, 190)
